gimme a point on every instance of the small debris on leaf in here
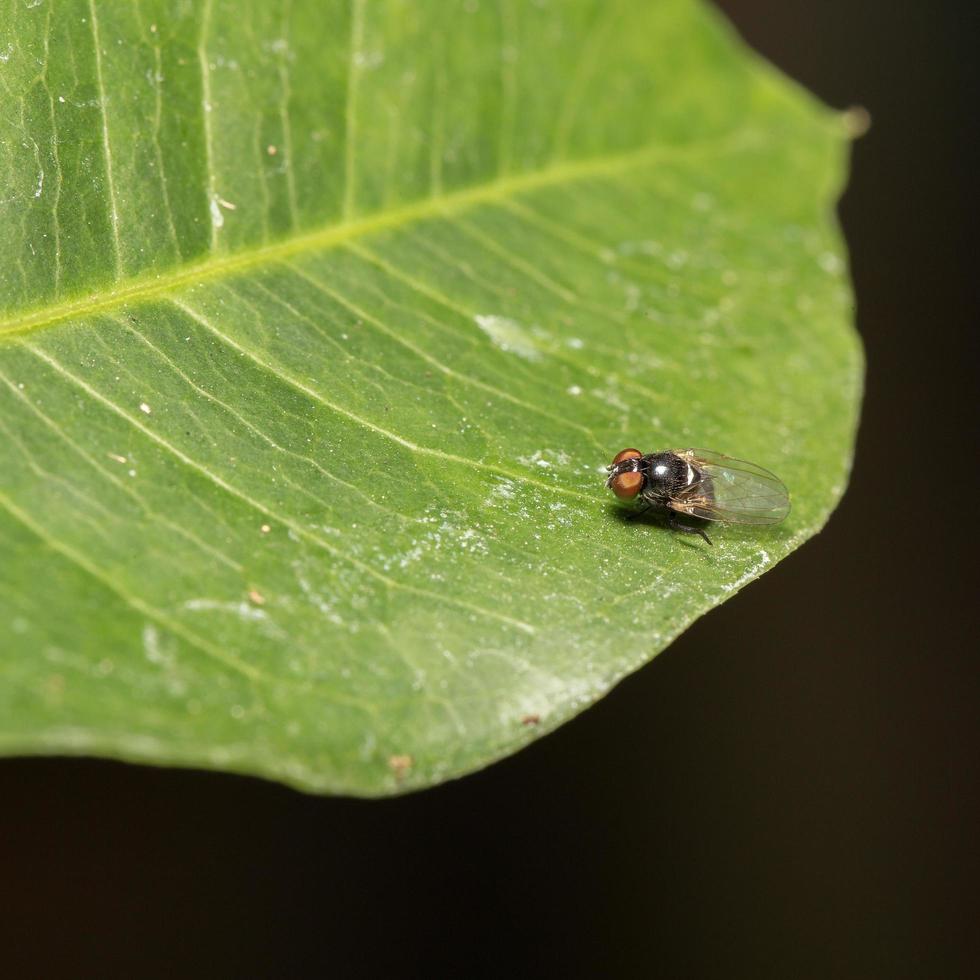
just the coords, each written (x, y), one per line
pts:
(400, 764)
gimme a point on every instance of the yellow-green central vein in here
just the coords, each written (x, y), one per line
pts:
(144, 288)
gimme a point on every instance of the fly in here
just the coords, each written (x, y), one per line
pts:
(700, 484)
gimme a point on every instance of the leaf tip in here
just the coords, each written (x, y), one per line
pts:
(856, 121)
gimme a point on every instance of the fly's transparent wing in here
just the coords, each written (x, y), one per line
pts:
(731, 490)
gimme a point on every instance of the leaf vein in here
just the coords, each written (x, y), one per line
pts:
(151, 286)
(233, 491)
(106, 149)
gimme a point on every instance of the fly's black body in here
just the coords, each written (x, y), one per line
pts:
(700, 484)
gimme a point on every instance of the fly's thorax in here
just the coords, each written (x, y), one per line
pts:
(666, 474)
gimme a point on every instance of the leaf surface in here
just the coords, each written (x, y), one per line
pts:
(318, 322)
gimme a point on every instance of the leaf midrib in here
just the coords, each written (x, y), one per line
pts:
(142, 288)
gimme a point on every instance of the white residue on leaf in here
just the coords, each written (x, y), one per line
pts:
(243, 610)
(545, 458)
(215, 206)
(504, 489)
(749, 575)
(217, 218)
(322, 603)
(446, 532)
(40, 183)
(368, 60)
(829, 262)
(154, 649)
(508, 335)
(151, 645)
(702, 202)
(646, 247)
(162, 655)
(611, 396)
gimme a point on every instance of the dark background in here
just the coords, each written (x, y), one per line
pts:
(800, 803)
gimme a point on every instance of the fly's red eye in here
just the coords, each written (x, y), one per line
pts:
(627, 485)
(626, 454)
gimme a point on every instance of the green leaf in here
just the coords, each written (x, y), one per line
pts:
(318, 322)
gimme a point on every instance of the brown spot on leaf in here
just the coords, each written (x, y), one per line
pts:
(400, 764)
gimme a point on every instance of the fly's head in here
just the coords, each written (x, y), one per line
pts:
(626, 474)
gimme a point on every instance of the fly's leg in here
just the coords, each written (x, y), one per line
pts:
(675, 525)
(637, 511)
